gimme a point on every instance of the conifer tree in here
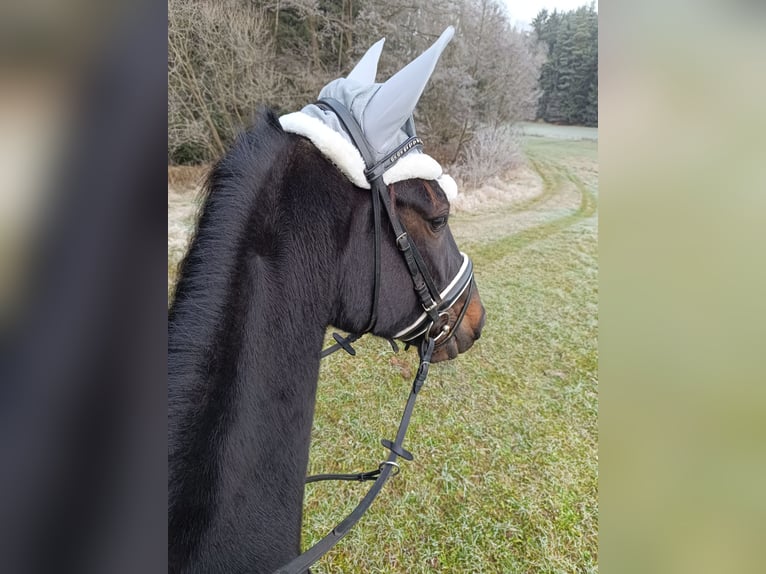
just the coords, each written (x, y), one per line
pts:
(569, 77)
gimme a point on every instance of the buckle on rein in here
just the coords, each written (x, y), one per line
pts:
(403, 242)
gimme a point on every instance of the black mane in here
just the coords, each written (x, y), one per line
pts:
(232, 338)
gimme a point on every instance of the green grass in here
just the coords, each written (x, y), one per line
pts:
(505, 436)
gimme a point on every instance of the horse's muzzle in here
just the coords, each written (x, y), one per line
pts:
(466, 332)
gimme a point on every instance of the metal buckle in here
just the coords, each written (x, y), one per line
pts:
(445, 330)
(397, 469)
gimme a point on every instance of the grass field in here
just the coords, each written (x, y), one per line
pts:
(505, 437)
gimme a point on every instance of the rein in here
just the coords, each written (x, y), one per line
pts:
(435, 305)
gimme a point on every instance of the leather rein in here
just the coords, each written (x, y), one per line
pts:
(435, 303)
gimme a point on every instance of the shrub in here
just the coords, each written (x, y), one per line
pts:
(492, 152)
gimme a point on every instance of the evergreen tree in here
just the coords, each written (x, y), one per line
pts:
(569, 77)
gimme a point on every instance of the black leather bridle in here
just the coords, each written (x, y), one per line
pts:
(435, 303)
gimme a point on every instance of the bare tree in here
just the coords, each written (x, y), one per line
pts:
(219, 71)
(228, 57)
(487, 77)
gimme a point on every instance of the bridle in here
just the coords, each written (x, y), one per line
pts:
(448, 296)
(436, 305)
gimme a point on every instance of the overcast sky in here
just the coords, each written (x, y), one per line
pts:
(523, 11)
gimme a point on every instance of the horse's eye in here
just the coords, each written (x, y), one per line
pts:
(438, 223)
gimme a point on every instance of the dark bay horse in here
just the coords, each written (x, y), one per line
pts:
(282, 250)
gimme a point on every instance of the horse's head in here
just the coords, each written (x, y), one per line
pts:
(366, 130)
(423, 208)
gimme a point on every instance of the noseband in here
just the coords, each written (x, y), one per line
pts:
(436, 305)
(448, 296)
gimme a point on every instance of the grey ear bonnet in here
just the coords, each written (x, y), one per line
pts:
(383, 110)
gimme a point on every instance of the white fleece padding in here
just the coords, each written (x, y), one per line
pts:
(333, 145)
(421, 166)
(448, 185)
(413, 166)
(341, 152)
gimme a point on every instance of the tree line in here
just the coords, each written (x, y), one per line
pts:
(569, 76)
(227, 58)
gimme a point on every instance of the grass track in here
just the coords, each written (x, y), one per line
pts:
(504, 437)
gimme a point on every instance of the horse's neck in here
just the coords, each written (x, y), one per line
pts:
(244, 345)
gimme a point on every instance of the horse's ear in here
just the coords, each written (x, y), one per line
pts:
(367, 68)
(395, 101)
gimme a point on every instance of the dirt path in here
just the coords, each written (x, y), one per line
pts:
(566, 194)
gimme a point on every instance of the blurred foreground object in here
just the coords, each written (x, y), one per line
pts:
(82, 399)
(682, 283)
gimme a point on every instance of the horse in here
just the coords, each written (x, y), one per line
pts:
(282, 250)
